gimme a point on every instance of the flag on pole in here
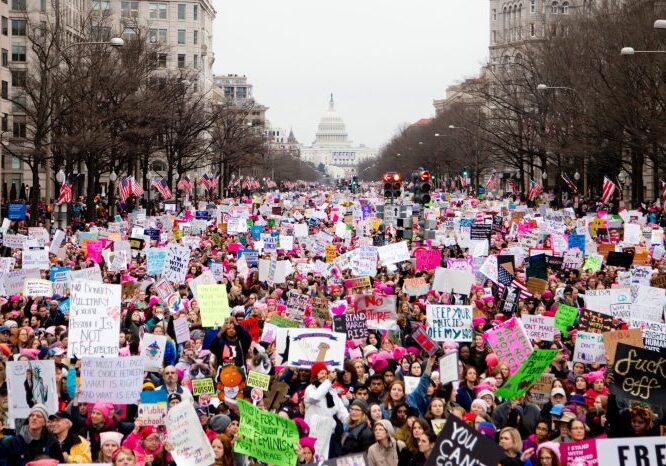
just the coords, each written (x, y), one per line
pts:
(608, 189)
(570, 184)
(162, 186)
(65, 193)
(535, 191)
(463, 181)
(125, 188)
(513, 185)
(663, 193)
(137, 189)
(493, 182)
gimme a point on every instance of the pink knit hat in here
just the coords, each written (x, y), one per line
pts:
(104, 408)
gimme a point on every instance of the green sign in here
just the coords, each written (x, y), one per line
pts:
(565, 317)
(203, 387)
(527, 375)
(284, 322)
(266, 436)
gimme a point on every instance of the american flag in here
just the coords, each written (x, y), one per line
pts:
(513, 185)
(608, 189)
(570, 184)
(208, 181)
(162, 186)
(463, 181)
(65, 193)
(137, 189)
(125, 188)
(663, 193)
(535, 191)
(185, 183)
(524, 291)
(493, 182)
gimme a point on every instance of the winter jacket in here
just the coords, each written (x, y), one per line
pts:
(226, 350)
(529, 416)
(357, 439)
(23, 448)
(385, 456)
(77, 449)
(465, 396)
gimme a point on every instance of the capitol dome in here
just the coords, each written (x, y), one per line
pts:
(331, 129)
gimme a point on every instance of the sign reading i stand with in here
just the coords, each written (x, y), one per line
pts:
(16, 212)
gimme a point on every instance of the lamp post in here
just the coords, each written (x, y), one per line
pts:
(112, 191)
(632, 51)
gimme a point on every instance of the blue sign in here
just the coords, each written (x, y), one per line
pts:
(153, 233)
(202, 215)
(577, 241)
(63, 306)
(251, 255)
(16, 212)
(482, 190)
(256, 231)
(58, 274)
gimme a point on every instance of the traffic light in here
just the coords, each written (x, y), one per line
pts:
(392, 185)
(422, 188)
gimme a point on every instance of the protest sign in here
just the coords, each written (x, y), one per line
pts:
(214, 304)
(416, 286)
(358, 284)
(266, 436)
(176, 263)
(189, 447)
(461, 445)
(380, 311)
(539, 327)
(94, 321)
(36, 258)
(111, 380)
(259, 380)
(632, 337)
(152, 351)
(565, 316)
(29, 383)
(638, 374)
(455, 281)
(155, 258)
(449, 323)
(182, 329)
(527, 374)
(420, 336)
(540, 392)
(93, 274)
(654, 334)
(204, 386)
(480, 231)
(152, 414)
(427, 259)
(353, 324)
(283, 322)
(307, 346)
(14, 241)
(589, 348)
(205, 278)
(510, 343)
(297, 303)
(37, 287)
(631, 451)
(393, 253)
(586, 451)
(594, 322)
(448, 368)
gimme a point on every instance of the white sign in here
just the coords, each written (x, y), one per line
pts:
(307, 346)
(393, 253)
(58, 238)
(29, 383)
(539, 327)
(111, 380)
(91, 274)
(94, 320)
(152, 351)
(449, 323)
(448, 368)
(14, 241)
(35, 259)
(589, 348)
(626, 451)
(176, 263)
(447, 280)
(189, 446)
(37, 287)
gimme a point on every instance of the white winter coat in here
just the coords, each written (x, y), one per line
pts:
(320, 417)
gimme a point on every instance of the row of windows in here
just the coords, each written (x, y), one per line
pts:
(18, 27)
(156, 10)
(555, 8)
(161, 60)
(161, 36)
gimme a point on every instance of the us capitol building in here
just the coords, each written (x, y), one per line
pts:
(333, 149)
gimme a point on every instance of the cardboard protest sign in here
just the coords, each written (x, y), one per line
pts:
(420, 336)
(204, 386)
(380, 311)
(565, 316)
(266, 436)
(37, 287)
(214, 304)
(595, 322)
(630, 451)
(449, 323)
(455, 281)
(189, 447)
(353, 324)
(510, 343)
(176, 263)
(585, 450)
(258, 380)
(307, 346)
(528, 373)
(589, 348)
(638, 374)
(631, 337)
(539, 327)
(152, 351)
(427, 259)
(111, 380)
(540, 392)
(29, 383)
(459, 444)
(94, 321)
(416, 286)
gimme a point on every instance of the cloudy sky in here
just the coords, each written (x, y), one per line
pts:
(384, 60)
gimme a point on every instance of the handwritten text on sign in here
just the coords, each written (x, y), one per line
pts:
(94, 320)
(111, 380)
(449, 323)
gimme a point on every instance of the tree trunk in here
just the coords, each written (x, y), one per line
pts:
(34, 194)
(93, 176)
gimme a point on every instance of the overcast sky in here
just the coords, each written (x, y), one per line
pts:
(384, 60)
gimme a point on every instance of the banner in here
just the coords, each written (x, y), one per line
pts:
(529, 372)
(214, 305)
(380, 311)
(449, 323)
(176, 263)
(307, 346)
(458, 444)
(510, 343)
(94, 320)
(111, 380)
(639, 374)
(189, 446)
(30, 383)
(539, 327)
(625, 451)
(265, 436)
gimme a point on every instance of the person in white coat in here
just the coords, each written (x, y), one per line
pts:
(321, 404)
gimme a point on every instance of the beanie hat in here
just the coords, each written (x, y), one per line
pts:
(219, 422)
(302, 426)
(388, 427)
(316, 368)
(361, 404)
(552, 446)
(487, 429)
(308, 442)
(110, 436)
(147, 431)
(40, 409)
(104, 408)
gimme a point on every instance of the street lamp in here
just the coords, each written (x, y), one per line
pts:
(114, 42)
(544, 87)
(660, 24)
(632, 51)
(576, 176)
(544, 176)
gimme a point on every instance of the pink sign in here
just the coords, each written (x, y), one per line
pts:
(427, 259)
(510, 343)
(585, 450)
(234, 247)
(94, 248)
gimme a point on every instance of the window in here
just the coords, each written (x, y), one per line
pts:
(18, 53)
(181, 36)
(16, 165)
(532, 6)
(18, 104)
(162, 60)
(5, 90)
(494, 39)
(101, 7)
(494, 14)
(565, 8)
(181, 11)
(18, 27)
(157, 36)
(157, 10)
(5, 57)
(5, 122)
(532, 30)
(18, 78)
(18, 131)
(181, 60)
(5, 26)
(18, 5)
(195, 62)
(129, 9)
(195, 12)
(554, 8)
(195, 37)
(101, 33)
(129, 34)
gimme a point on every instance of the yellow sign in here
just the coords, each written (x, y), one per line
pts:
(258, 380)
(213, 303)
(203, 387)
(331, 253)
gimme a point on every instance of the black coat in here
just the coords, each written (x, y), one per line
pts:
(18, 451)
(358, 439)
